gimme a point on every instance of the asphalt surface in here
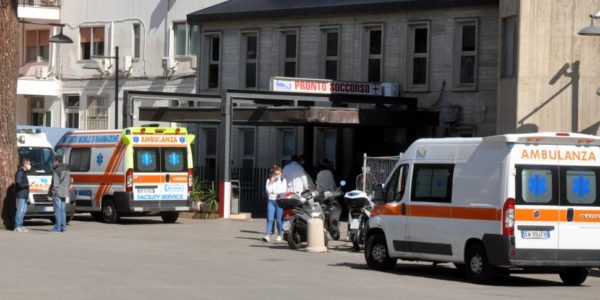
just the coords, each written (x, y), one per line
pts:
(216, 259)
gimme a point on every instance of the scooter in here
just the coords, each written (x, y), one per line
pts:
(359, 206)
(333, 210)
(298, 209)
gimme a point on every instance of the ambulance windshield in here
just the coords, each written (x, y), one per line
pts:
(41, 159)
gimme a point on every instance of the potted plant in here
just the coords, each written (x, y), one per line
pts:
(197, 194)
(210, 205)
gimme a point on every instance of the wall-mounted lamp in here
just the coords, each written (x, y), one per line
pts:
(591, 30)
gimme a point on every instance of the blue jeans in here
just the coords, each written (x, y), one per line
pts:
(21, 210)
(274, 211)
(60, 215)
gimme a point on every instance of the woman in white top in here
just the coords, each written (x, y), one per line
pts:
(275, 185)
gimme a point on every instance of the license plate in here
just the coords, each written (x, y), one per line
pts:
(48, 209)
(540, 235)
(145, 191)
(286, 225)
(354, 224)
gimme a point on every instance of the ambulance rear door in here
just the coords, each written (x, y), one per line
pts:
(579, 227)
(537, 193)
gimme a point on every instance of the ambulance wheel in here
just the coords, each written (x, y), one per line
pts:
(477, 265)
(574, 276)
(169, 217)
(377, 255)
(109, 212)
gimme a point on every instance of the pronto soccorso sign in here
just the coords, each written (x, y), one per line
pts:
(321, 86)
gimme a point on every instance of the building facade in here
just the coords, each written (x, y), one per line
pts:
(72, 85)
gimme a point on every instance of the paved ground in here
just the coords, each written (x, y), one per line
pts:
(212, 259)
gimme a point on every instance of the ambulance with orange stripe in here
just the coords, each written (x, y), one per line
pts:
(493, 205)
(130, 172)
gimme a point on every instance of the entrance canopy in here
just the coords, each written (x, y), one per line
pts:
(295, 109)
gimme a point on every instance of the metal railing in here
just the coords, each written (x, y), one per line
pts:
(253, 197)
(40, 3)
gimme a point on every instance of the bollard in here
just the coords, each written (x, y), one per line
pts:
(316, 236)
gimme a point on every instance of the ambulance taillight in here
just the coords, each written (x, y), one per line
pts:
(190, 179)
(129, 179)
(508, 217)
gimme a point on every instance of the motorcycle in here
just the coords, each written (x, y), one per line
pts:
(298, 209)
(359, 204)
(333, 210)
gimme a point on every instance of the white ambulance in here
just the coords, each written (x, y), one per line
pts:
(493, 205)
(34, 145)
(130, 172)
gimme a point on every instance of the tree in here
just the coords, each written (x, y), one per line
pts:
(9, 62)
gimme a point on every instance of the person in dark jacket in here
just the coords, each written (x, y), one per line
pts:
(22, 187)
(59, 192)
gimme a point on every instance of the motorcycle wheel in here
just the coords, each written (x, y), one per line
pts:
(335, 233)
(293, 237)
(354, 239)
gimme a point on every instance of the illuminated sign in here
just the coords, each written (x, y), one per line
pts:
(320, 86)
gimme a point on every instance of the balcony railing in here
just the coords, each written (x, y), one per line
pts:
(40, 3)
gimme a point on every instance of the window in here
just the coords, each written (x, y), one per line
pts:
(79, 159)
(38, 113)
(186, 39)
(97, 113)
(331, 58)
(211, 147)
(136, 40)
(250, 60)
(174, 159)
(248, 144)
(509, 61)
(72, 111)
(418, 56)
(42, 159)
(394, 188)
(213, 58)
(465, 59)
(537, 185)
(432, 183)
(375, 54)
(37, 45)
(287, 145)
(581, 187)
(289, 49)
(92, 42)
(327, 141)
(146, 160)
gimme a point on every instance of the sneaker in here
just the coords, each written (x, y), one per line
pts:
(23, 229)
(267, 239)
(278, 238)
(18, 229)
(54, 230)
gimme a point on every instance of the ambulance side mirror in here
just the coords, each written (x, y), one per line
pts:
(378, 197)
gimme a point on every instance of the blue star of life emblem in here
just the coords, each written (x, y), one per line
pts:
(99, 159)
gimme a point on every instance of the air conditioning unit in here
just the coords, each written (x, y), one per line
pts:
(127, 63)
(104, 65)
(194, 63)
(169, 63)
(41, 72)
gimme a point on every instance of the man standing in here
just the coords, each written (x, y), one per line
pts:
(296, 178)
(22, 187)
(325, 180)
(59, 191)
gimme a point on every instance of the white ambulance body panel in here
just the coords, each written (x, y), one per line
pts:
(447, 194)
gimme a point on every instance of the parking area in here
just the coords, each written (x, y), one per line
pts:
(143, 258)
